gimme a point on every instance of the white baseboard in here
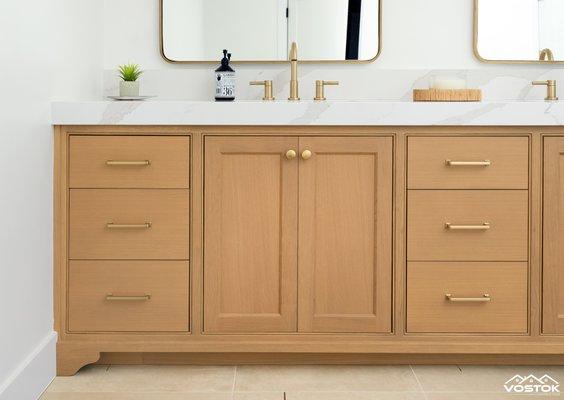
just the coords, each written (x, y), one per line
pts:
(34, 374)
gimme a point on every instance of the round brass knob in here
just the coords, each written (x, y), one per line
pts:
(291, 154)
(306, 154)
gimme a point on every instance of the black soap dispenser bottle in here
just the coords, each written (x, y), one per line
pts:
(225, 80)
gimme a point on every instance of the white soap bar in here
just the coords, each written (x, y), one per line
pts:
(447, 82)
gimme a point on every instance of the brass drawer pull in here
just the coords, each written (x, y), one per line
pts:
(483, 227)
(111, 297)
(484, 299)
(111, 225)
(483, 163)
(144, 163)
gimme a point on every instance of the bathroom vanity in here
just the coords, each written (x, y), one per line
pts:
(339, 232)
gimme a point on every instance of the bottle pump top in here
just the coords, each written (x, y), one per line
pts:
(225, 61)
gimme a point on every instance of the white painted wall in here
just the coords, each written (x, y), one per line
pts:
(50, 50)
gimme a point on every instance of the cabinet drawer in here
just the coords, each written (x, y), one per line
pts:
(129, 162)
(451, 297)
(462, 162)
(127, 296)
(467, 238)
(129, 224)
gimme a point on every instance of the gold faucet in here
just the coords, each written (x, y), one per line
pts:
(550, 89)
(546, 55)
(294, 86)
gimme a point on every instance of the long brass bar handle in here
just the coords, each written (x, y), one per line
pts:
(483, 227)
(482, 163)
(143, 163)
(111, 297)
(111, 225)
(484, 299)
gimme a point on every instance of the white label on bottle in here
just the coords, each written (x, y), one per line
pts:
(225, 84)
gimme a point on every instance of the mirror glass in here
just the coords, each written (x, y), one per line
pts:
(263, 30)
(520, 30)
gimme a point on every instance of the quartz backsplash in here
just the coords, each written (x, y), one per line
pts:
(192, 82)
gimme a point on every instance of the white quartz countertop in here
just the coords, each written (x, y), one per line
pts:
(362, 113)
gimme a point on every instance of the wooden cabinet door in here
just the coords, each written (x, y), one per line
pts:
(250, 235)
(345, 235)
(553, 236)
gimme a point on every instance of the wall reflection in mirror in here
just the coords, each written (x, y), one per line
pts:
(520, 30)
(263, 30)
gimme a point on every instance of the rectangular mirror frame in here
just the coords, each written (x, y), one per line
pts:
(482, 59)
(163, 55)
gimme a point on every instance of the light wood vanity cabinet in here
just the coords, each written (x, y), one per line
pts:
(263, 269)
(345, 235)
(128, 234)
(308, 244)
(467, 230)
(553, 239)
(250, 235)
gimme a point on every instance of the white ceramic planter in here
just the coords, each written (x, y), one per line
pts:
(129, 88)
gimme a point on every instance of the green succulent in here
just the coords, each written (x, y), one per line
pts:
(129, 72)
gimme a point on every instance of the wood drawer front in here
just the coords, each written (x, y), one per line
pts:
(429, 239)
(430, 311)
(166, 210)
(168, 158)
(166, 282)
(427, 167)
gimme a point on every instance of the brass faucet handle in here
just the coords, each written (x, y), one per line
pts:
(267, 89)
(320, 89)
(550, 88)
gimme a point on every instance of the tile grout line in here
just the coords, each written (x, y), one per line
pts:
(418, 382)
(234, 383)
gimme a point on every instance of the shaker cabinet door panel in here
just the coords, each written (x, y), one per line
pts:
(345, 235)
(553, 236)
(250, 235)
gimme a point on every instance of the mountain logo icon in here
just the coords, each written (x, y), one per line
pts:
(532, 384)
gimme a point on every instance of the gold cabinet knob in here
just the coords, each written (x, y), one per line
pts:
(291, 154)
(306, 154)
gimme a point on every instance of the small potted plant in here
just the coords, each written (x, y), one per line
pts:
(129, 85)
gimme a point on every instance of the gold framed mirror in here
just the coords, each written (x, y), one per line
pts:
(519, 31)
(261, 31)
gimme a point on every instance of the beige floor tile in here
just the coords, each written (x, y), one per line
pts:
(325, 378)
(148, 378)
(88, 379)
(259, 396)
(487, 396)
(477, 378)
(136, 396)
(328, 396)
(355, 396)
